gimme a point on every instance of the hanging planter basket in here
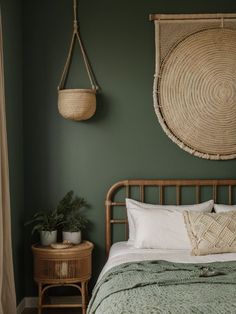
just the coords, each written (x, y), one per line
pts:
(77, 104)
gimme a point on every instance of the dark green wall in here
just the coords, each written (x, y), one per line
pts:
(124, 139)
(12, 41)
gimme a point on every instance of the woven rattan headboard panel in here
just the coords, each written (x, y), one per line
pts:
(161, 186)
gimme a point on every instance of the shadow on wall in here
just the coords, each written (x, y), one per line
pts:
(102, 110)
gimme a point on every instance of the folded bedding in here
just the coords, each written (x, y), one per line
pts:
(166, 287)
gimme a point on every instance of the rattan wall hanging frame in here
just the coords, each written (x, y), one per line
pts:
(194, 87)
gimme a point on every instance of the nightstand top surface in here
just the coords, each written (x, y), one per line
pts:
(84, 245)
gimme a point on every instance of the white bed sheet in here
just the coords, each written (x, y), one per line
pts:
(122, 252)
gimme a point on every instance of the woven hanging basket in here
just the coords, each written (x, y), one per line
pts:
(77, 104)
(196, 98)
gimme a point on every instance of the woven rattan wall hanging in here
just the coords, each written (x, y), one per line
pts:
(77, 104)
(195, 82)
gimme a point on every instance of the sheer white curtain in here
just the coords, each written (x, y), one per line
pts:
(7, 286)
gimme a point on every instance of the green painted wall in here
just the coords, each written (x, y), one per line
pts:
(124, 139)
(12, 41)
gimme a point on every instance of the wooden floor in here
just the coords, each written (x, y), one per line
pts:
(53, 311)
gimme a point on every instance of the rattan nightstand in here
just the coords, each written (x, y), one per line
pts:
(63, 267)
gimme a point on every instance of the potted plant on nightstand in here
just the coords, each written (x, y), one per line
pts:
(73, 220)
(46, 223)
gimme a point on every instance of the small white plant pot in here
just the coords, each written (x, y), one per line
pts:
(72, 237)
(48, 237)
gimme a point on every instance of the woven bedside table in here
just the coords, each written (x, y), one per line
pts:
(63, 267)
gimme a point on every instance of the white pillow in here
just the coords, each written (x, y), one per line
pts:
(160, 229)
(131, 205)
(221, 208)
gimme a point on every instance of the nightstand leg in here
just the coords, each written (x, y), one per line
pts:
(40, 298)
(86, 291)
(83, 285)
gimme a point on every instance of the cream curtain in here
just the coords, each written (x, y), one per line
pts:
(7, 287)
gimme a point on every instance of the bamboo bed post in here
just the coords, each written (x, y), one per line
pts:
(198, 194)
(230, 194)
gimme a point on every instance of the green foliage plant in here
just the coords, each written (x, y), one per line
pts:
(71, 208)
(46, 221)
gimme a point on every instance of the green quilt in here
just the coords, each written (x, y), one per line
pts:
(164, 287)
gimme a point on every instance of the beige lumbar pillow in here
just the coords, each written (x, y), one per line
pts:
(211, 233)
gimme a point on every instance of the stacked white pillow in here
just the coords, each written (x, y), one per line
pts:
(160, 226)
(222, 208)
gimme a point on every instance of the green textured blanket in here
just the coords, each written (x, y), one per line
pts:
(164, 287)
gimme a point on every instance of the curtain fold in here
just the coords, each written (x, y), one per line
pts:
(7, 285)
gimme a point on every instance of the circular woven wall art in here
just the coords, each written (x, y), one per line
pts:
(195, 94)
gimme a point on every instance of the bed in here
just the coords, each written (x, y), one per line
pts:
(163, 280)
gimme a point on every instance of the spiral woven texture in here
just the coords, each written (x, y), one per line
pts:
(197, 93)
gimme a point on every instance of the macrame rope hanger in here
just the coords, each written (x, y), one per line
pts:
(76, 35)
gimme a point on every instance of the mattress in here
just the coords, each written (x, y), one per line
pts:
(123, 252)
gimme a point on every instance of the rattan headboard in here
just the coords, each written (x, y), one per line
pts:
(161, 185)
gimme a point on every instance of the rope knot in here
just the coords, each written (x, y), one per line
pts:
(76, 26)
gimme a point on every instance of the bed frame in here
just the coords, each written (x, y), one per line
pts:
(161, 185)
